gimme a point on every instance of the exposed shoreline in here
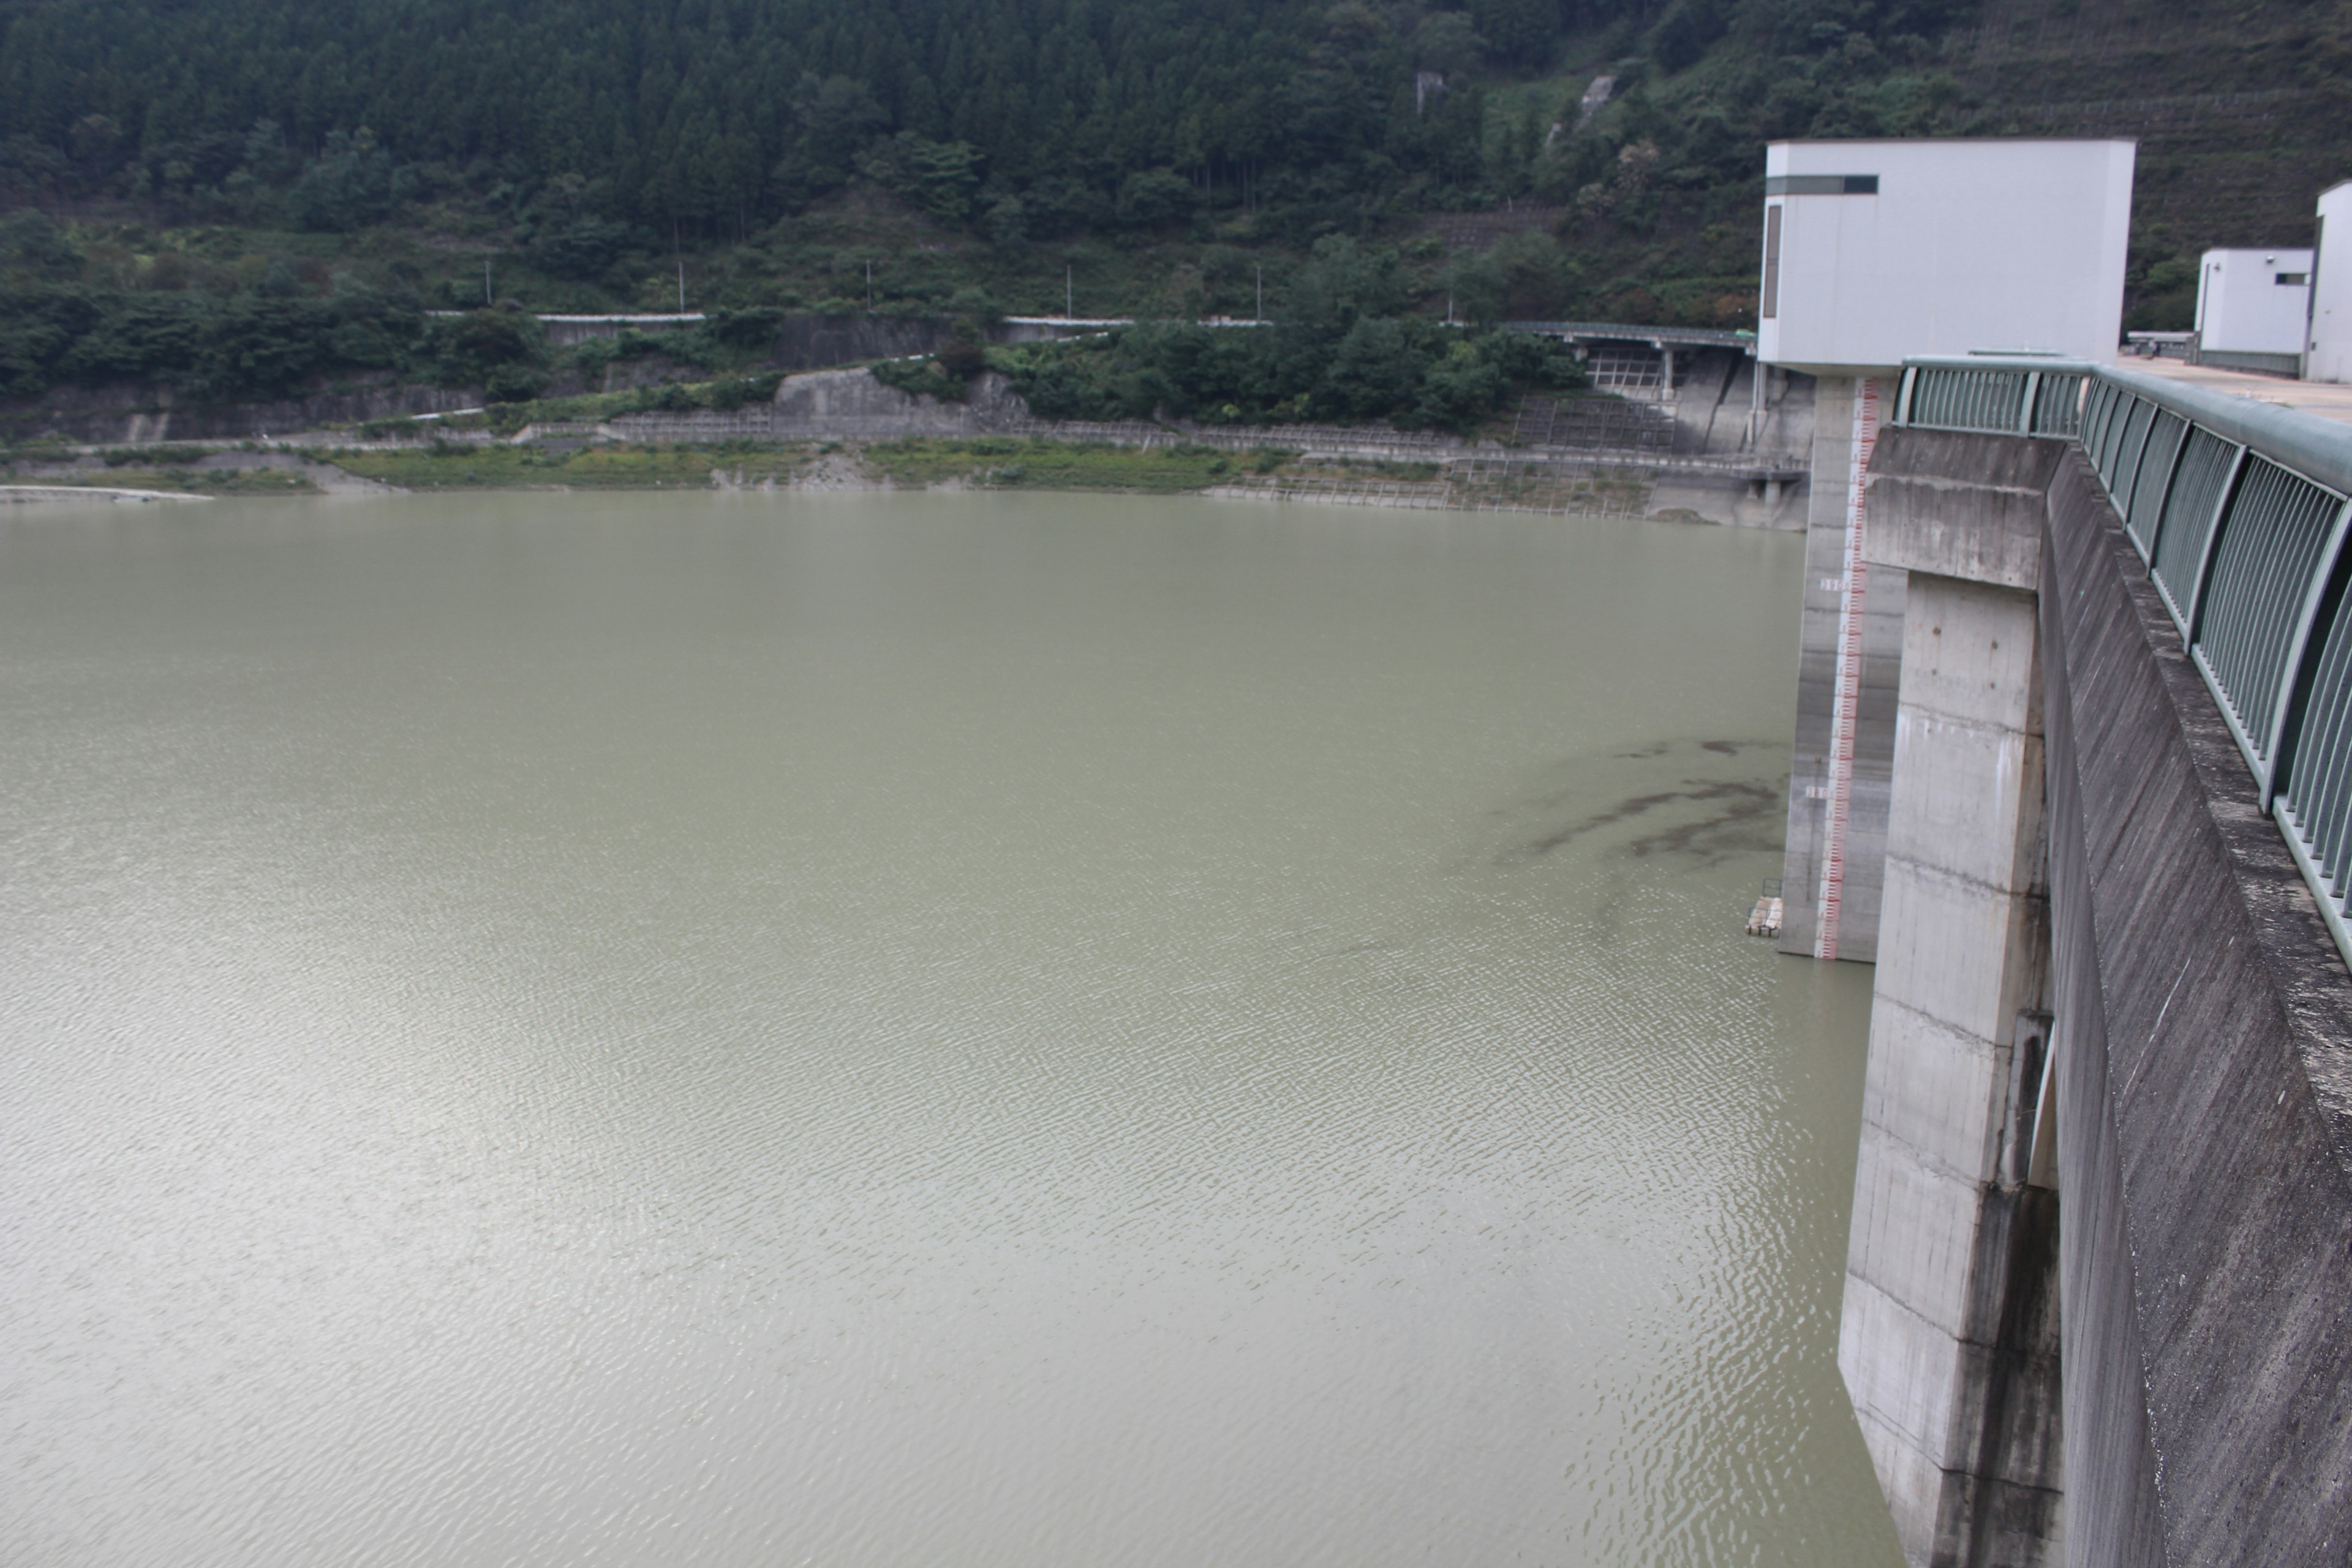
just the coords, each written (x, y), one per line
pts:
(1548, 483)
(18, 495)
(1673, 456)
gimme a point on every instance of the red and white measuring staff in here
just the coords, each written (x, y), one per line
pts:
(1845, 699)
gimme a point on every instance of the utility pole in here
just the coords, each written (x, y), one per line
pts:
(870, 285)
(487, 297)
(1261, 293)
(1069, 292)
(681, 285)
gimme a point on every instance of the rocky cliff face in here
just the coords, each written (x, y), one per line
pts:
(852, 403)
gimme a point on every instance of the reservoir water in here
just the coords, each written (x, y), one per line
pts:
(950, 1029)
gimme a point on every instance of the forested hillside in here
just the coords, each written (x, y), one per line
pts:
(1128, 155)
(1020, 115)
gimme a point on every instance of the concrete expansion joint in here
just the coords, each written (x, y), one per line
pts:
(1950, 879)
(2014, 1486)
(1961, 721)
(1932, 1164)
(1963, 1339)
(1884, 1291)
(1943, 1025)
(1972, 486)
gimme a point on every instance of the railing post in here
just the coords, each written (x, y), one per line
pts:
(2025, 412)
(1903, 397)
(2291, 683)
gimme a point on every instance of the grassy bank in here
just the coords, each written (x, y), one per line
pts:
(912, 463)
(1061, 464)
(166, 476)
(449, 465)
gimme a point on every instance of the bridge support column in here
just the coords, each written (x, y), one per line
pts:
(1948, 1338)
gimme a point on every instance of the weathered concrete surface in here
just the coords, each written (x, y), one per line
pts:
(2112, 1513)
(2204, 1101)
(2198, 1112)
(1717, 411)
(1949, 1334)
(1729, 498)
(1957, 506)
(1805, 856)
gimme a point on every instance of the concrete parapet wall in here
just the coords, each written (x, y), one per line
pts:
(2204, 1103)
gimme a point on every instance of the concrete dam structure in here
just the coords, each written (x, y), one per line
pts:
(2098, 1296)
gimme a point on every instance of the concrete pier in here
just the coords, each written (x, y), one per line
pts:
(2100, 975)
(1949, 1339)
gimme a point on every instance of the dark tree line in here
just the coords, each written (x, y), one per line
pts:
(717, 114)
(1017, 116)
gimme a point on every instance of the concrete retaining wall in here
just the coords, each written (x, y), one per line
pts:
(2204, 1102)
(812, 342)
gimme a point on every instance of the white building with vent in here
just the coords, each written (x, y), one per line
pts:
(1877, 250)
(2329, 352)
(2251, 307)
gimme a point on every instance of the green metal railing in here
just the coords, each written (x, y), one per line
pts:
(2239, 509)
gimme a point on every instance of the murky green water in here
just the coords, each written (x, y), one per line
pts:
(910, 1030)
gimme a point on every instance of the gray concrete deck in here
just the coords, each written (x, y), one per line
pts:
(2329, 400)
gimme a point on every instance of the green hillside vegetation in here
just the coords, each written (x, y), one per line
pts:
(238, 197)
(1349, 348)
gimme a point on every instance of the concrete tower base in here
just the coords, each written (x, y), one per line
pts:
(1869, 629)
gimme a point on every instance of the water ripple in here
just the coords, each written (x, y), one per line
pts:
(901, 1029)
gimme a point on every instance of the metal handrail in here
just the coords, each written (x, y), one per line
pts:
(2240, 511)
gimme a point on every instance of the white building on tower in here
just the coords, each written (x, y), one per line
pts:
(1877, 250)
